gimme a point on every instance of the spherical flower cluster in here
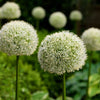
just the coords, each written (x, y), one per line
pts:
(61, 52)
(11, 10)
(58, 20)
(18, 38)
(38, 12)
(91, 38)
(76, 15)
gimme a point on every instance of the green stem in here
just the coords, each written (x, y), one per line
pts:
(58, 30)
(0, 23)
(89, 73)
(77, 27)
(64, 88)
(17, 70)
(37, 24)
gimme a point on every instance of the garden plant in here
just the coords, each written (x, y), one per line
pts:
(60, 53)
(18, 38)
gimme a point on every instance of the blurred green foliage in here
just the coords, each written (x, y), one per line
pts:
(77, 83)
(67, 98)
(29, 81)
(94, 87)
(40, 95)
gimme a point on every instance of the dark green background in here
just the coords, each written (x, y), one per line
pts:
(66, 6)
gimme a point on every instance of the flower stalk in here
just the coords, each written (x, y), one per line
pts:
(77, 27)
(37, 24)
(89, 73)
(17, 77)
(64, 87)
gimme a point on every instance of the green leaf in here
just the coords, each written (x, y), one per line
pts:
(49, 98)
(77, 97)
(94, 78)
(67, 98)
(94, 91)
(94, 87)
(40, 95)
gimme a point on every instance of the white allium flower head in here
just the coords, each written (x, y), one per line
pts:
(11, 10)
(76, 15)
(38, 12)
(18, 38)
(58, 20)
(62, 52)
(91, 38)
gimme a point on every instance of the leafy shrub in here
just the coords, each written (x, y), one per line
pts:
(30, 81)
